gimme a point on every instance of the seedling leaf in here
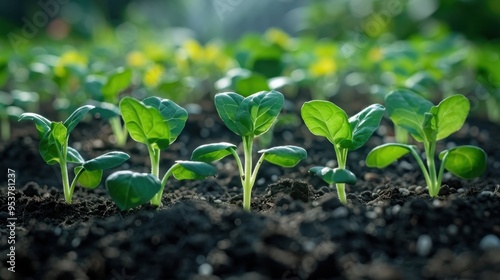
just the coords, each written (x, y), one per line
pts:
(145, 124)
(285, 156)
(174, 114)
(450, 115)
(227, 105)
(117, 82)
(212, 152)
(465, 161)
(386, 154)
(192, 170)
(335, 175)
(74, 156)
(51, 145)
(262, 109)
(130, 189)
(41, 123)
(89, 179)
(76, 117)
(406, 109)
(326, 119)
(106, 161)
(364, 124)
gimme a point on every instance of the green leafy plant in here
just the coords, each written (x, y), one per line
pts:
(54, 149)
(326, 119)
(108, 90)
(249, 118)
(428, 124)
(156, 123)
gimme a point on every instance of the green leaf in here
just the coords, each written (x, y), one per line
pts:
(74, 156)
(429, 127)
(76, 117)
(406, 109)
(145, 124)
(249, 85)
(130, 189)
(326, 119)
(212, 152)
(450, 115)
(263, 108)
(174, 114)
(117, 82)
(335, 175)
(192, 170)
(364, 124)
(42, 124)
(386, 154)
(51, 144)
(465, 161)
(227, 105)
(285, 156)
(251, 116)
(89, 179)
(106, 161)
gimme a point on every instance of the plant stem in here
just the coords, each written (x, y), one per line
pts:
(433, 184)
(154, 155)
(341, 155)
(68, 194)
(246, 178)
(73, 183)
(118, 131)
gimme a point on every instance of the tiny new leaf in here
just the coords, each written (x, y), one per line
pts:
(76, 117)
(386, 154)
(335, 175)
(212, 152)
(51, 145)
(285, 156)
(130, 189)
(192, 170)
(41, 123)
(464, 161)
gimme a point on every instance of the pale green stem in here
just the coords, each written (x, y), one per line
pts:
(64, 173)
(421, 164)
(256, 169)
(246, 178)
(75, 180)
(156, 200)
(342, 162)
(154, 155)
(118, 131)
(434, 185)
(441, 168)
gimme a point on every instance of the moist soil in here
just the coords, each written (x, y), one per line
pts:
(297, 228)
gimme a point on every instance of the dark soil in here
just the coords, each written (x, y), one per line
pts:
(390, 229)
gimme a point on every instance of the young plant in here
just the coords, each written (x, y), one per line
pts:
(108, 92)
(326, 119)
(54, 149)
(428, 124)
(156, 123)
(249, 118)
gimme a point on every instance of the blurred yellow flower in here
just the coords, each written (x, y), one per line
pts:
(278, 37)
(153, 75)
(375, 54)
(194, 50)
(136, 59)
(68, 58)
(325, 49)
(322, 67)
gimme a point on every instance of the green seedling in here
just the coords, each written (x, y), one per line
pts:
(428, 124)
(108, 90)
(326, 119)
(156, 123)
(54, 149)
(249, 118)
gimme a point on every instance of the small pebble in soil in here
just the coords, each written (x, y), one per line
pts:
(419, 189)
(205, 269)
(490, 241)
(405, 166)
(424, 245)
(404, 192)
(452, 229)
(340, 212)
(217, 201)
(395, 209)
(485, 195)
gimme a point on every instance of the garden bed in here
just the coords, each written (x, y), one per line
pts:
(297, 229)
